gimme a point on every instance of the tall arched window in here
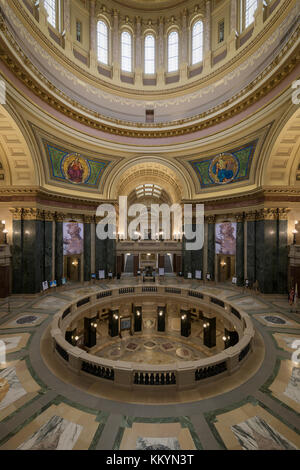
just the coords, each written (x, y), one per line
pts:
(102, 42)
(52, 7)
(250, 7)
(197, 42)
(126, 51)
(149, 54)
(173, 51)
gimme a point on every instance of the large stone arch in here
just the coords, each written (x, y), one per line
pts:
(16, 155)
(282, 162)
(149, 170)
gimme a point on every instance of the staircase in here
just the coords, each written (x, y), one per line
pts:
(129, 265)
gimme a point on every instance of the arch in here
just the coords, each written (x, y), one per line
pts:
(148, 170)
(281, 166)
(15, 154)
(126, 51)
(173, 51)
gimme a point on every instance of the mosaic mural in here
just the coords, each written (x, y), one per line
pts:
(225, 168)
(74, 168)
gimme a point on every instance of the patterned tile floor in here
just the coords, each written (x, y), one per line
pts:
(40, 411)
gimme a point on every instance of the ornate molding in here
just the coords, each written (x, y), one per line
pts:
(16, 213)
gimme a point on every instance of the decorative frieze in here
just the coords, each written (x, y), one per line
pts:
(32, 213)
(16, 213)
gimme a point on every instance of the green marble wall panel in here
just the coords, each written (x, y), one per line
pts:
(282, 263)
(240, 253)
(33, 256)
(17, 256)
(87, 252)
(211, 250)
(59, 252)
(111, 255)
(48, 250)
(251, 260)
(266, 255)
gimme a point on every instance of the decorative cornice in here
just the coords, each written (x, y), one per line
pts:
(267, 214)
(180, 127)
(239, 217)
(16, 213)
(250, 216)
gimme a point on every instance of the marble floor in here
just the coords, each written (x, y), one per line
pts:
(43, 407)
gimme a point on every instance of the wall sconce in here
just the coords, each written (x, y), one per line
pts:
(223, 264)
(76, 338)
(138, 313)
(94, 325)
(116, 317)
(75, 263)
(183, 317)
(205, 325)
(160, 313)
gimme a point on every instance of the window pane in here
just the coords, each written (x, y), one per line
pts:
(126, 52)
(50, 6)
(250, 7)
(197, 42)
(173, 51)
(149, 54)
(102, 42)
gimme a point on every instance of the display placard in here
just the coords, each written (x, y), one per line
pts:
(198, 274)
(64, 281)
(234, 280)
(94, 276)
(45, 285)
(125, 323)
(101, 274)
(189, 276)
(53, 284)
(208, 276)
(161, 271)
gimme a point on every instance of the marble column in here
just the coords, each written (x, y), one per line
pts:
(186, 258)
(59, 248)
(33, 251)
(233, 34)
(266, 250)
(17, 251)
(282, 257)
(211, 246)
(48, 244)
(100, 252)
(111, 255)
(87, 249)
(239, 259)
(251, 250)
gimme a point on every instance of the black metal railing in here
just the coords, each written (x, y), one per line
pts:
(172, 290)
(106, 293)
(149, 289)
(194, 293)
(98, 371)
(83, 302)
(62, 352)
(154, 378)
(217, 302)
(126, 290)
(210, 371)
(244, 352)
(236, 313)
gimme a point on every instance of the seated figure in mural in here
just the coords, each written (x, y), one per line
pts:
(73, 243)
(75, 171)
(226, 239)
(222, 169)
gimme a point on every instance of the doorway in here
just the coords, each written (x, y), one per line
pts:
(226, 268)
(72, 267)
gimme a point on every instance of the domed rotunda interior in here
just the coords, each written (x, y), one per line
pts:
(149, 225)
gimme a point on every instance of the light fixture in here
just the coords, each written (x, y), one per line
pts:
(294, 232)
(160, 313)
(183, 317)
(116, 317)
(224, 338)
(75, 263)
(76, 338)
(3, 222)
(138, 313)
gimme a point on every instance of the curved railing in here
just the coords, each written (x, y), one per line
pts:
(178, 375)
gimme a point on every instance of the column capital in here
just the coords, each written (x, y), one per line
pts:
(16, 213)
(283, 213)
(210, 219)
(49, 216)
(240, 217)
(32, 214)
(267, 214)
(88, 219)
(250, 216)
(59, 216)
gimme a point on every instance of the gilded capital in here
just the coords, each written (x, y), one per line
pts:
(283, 213)
(16, 213)
(210, 219)
(32, 213)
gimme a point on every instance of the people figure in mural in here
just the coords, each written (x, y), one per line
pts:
(75, 171)
(73, 241)
(223, 170)
(225, 238)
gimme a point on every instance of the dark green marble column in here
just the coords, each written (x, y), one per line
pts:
(59, 250)
(100, 253)
(211, 247)
(17, 252)
(266, 251)
(282, 256)
(33, 252)
(87, 251)
(239, 260)
(251, 239)
(48, 251)
(186, 258)
(111, 256)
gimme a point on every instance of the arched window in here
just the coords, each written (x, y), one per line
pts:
(149, 54)
(250, 7)
(173, 51)
(126, 51)
(197, 42)
(102, 42)
(52, 8)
